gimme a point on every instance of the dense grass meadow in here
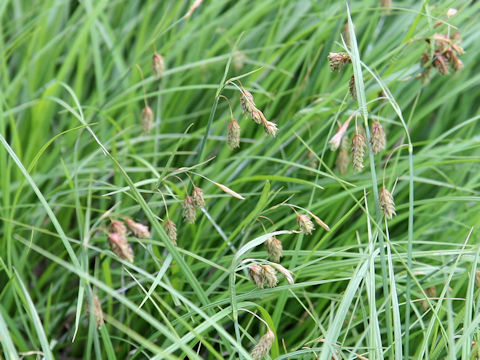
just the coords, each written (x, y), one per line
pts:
(163, 164)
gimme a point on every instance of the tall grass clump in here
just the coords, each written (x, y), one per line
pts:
(239, 180)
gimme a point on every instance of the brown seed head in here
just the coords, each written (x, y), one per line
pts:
(352, 88)
(258, 116)
(274, 249)
(171, 231)
(158, 65)
(305, 224)
(246, 99)
(386, 203)
(120, 246)
(139, 230)
(189, 209)
(118, 227)
(378, 139)
(358, 151)
(338, 60)
(264, 345)
(97, 310)
(256, 274)
(147, 119)
(233, 135)
(198, 197)
(270, 128)
(440, 63)
(269, 275)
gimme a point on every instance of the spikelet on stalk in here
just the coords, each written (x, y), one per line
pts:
(378, 138)
(256, 274)
(120, 246)
(358, 151)
(198, 199)
(171, 230)
(233, 135)
(189, 209)
(158, 65)
(338, 60)
(139, 230)
(264, 345)
(305, 224)
(269, 275)
(386, 203)
(285, 272)
(249, 108)
(274, 249)
(147, 120)
(117, 226)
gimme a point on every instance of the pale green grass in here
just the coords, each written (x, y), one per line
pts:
(72, 148)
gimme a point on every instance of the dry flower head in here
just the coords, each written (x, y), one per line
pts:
(233, 135)
(171, 230)
(358, 151)
(338, 60)
(139, 230)
(120, 246)
(264, 345)
(386, 203)
(189, 209)
(305, 224)
(378, 138)
(274, 249)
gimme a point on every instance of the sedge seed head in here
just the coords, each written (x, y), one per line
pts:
(120, 246)
(256, 274)
(147, 119)
(247, 102)
(386, 203)
(119, 227)
(338, 60)
(139, 230)
(189, 210)
(285, 272)
(198, 199)
(358, 151)
(378, 138)
(258, 116)
(158, 65)
(233, 135)
(264, 345)
(269, 275)
(305, 224)
(171, 230)
(270, 128)
(274, 249)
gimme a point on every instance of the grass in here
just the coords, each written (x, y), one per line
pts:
(73, 155)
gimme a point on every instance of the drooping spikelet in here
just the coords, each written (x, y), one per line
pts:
(274, 249)
(171, 230)
(256, 274)
(338, 60)
(378, 138)
(258, 116)
(285, 272)
(120, 246)
(269, 275)
(139, 230)
(440, 63)
(352, 88)
(246, 99)
(147, 119)
(198, 199)
(358, 151)
(233, 135)
(386, 203)
(118, 227)
(270, 128)
(264, 345)
(189, 209)
(305, 224)
(158, 65)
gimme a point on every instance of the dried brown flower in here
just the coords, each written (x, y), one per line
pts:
(270, 128)
(285, 272)
(338, 60)
(189, 209)
(378, 139)
(386, 203)
(233, 135)
(120, 246)
(171, 231)
(440, 63)
(247, 102)
(198, 199)
(305, 224)
(139, 230)
(358, 151)
(274, 249)
(264, 345)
